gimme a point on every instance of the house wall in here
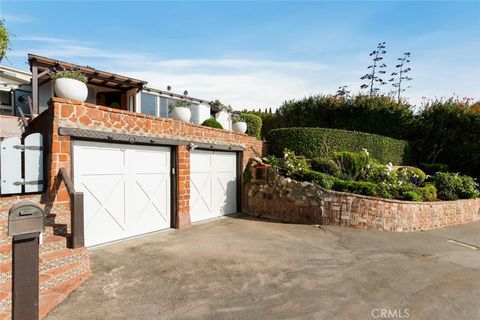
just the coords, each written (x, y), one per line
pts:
(64, 113)
(282, 198)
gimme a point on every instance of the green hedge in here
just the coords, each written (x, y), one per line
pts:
(322, 142)
(212, 123)
(254, 124)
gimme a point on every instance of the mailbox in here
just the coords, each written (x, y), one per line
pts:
(25, 217)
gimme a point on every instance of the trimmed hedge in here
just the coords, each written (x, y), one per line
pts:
(254, 124)
(322, 142)
(212, 123)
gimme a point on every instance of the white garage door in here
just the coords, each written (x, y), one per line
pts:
(126, 189)
(213, 185)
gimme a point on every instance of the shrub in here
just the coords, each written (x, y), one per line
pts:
(212, 123)
(428, 192)
(319, 178)
(293, 164)
(70, 74)
(179, 104)
(448, 132)
(367, 113)
(273, 161)
(411, 174)
(432, 168)
(412, 196)
(351, 164)
(359, 187)
(452, 186)
(254, 124)
(322, 142)
(326, 166)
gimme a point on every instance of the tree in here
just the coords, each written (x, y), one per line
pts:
(401, 75)
(4, 40)
(377, 67)
(343, 92)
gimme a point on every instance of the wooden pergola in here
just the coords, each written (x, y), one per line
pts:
(41, 67)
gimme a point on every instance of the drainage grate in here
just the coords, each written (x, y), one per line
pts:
(463, 244)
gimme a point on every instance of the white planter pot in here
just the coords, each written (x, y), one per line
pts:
(181, 113)
(71, 89)
(240, 126)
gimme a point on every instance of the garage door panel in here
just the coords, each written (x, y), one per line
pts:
(126, 189)
(213, 186)
(200, 161)
(225, 191)
(151, 202)
(112, 160)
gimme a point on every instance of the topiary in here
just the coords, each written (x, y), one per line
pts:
(212, 123)
(254, 124)
(326, 166)
(322, 142)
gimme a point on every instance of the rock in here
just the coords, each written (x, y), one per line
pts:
(305, 184)
(314, 203)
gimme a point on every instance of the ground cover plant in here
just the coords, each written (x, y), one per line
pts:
(358, 172)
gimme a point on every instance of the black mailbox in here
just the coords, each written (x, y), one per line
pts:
(25, 217)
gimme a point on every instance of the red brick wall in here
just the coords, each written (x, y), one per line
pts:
(74, 114)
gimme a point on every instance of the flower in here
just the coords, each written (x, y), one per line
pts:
(366, 151)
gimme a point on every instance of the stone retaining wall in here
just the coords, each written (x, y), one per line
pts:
(287, 200)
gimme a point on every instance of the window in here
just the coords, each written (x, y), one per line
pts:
(149, 104)
(194, 110)
(164, 107)
(5, 103)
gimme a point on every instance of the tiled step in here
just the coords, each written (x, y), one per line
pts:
(61, 271)
(50, 243)
(48, 260)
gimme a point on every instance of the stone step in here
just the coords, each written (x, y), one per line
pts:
(48, 260)
(50, 243)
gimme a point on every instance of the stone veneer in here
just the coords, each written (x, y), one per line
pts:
(284, 199)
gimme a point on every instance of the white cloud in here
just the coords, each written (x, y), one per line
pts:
(16, 17)
(251, 83)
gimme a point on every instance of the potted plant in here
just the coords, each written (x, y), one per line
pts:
(239, 123)
(180, 110)
(70, 85)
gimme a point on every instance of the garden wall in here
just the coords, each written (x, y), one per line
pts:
(281, 198)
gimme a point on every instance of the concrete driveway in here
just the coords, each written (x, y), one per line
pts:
(240, 268)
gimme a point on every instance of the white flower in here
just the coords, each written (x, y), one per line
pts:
(390, 167)
(366, 151)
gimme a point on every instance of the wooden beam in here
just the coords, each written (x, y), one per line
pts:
(36, 107)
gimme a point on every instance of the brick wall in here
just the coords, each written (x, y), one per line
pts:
(64, 113)
(302, 202)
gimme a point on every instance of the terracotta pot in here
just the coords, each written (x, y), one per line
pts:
(71, 89)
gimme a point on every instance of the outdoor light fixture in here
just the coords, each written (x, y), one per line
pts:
(192, 146)
(169, 88)
(185, 93)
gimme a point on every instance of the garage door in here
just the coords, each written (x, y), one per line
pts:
(213, 185)
(126, 189)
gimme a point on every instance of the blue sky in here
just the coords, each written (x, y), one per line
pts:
(255, 54)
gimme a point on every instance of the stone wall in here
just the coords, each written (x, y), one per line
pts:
(287, 200)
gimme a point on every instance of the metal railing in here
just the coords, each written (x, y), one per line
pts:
(76, 210)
